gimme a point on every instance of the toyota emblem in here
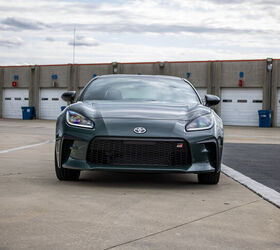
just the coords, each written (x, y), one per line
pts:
(140, 130)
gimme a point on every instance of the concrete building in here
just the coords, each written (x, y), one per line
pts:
(245, 86)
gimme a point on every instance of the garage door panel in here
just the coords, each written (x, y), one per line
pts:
(13, 100)
(50, 103)
(240, 106)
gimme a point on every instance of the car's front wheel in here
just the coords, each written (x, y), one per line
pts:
(209, 178)
(64, 174)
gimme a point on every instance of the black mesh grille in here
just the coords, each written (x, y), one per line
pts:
(139, 152)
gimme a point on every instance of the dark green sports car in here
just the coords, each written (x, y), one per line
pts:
(139, 123)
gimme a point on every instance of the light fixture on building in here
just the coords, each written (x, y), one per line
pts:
(269, 64)
(115, 67)
(161, 65)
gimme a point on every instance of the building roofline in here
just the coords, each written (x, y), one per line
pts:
(124, 63)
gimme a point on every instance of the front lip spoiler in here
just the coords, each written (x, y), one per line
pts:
(84, 165)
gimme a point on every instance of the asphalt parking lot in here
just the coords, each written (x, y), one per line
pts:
(124, 211)
(254, 152)
(260, 162)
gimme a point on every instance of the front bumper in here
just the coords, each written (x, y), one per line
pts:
(205, 150)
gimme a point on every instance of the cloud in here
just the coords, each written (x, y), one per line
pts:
(11, 42)
(138, 30)
(50, 39)
(241, 2)
(126, 27)
(160, 28)
(226, 1)
(23, 24)
(84, 41)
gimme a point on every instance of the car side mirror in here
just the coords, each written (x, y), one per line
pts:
(68, 96)
(211, 100)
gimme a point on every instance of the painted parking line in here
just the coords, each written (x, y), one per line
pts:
(25, 147)
(265, 192)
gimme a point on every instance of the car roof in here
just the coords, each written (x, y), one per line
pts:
(140, 76)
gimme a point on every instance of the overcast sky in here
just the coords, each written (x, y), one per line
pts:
(41, 32)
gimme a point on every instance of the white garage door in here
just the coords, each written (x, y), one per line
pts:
(13, 100)
(202, 92)
(278, 108)
(50, 103)
(240, 106)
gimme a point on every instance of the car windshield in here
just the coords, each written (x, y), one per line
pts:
(141, 89)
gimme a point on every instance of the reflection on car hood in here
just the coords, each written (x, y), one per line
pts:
(141, 110)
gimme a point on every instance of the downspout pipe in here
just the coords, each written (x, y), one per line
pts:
(269, 82)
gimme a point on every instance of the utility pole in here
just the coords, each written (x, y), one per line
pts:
(74, 44)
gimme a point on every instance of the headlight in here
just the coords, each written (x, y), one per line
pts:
(78, 120)
(201, 123)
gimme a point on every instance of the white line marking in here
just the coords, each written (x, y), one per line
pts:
(24, 147)
(265, 192)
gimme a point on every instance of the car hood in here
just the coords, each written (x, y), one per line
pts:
(139, 110)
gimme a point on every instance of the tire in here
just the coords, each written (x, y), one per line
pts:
(209, 178)
(64, 174)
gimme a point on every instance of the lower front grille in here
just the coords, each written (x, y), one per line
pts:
(138, 152)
